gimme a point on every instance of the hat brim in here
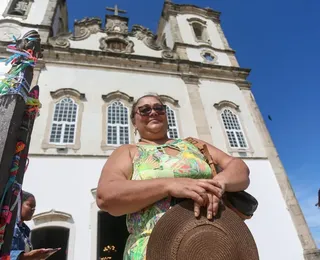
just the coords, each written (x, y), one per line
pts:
(178, 235)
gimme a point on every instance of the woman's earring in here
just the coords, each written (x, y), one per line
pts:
(135, 131)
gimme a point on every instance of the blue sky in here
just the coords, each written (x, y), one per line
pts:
(280, 42)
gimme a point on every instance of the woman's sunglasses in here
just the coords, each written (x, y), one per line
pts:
(146, 110)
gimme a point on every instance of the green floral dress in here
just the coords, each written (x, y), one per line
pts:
(153, 162)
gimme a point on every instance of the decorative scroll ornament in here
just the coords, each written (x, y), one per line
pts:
(150, 40)
(82, 30)
(62, 40)
(85, 27)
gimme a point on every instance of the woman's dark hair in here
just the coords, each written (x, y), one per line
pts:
(26, 195)
(134, 106)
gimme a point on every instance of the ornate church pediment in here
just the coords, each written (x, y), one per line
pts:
(82, 30)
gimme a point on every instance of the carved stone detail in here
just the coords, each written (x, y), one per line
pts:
(150, 40)
(168, 54)
(105, 44)
(117, 26)
(226, 103)
(117, 95)
(61, 40)
(85, 27)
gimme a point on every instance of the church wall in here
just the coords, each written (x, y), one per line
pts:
(213, 92)
(271, 226)
(187, 34)
(95, 82)
(36, 14)
(64, 184)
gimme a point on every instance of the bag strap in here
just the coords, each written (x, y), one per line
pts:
(203, 148)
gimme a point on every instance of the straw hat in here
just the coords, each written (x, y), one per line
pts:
(178, 235)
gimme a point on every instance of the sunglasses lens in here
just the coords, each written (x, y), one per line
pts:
(159, 109)
(144, 111)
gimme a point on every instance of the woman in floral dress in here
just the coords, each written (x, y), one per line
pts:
(144, 180)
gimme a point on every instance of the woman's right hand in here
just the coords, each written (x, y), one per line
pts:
(195, 189)
(37, 254)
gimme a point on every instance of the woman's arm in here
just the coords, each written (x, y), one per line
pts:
(234, 174)
(119, 195)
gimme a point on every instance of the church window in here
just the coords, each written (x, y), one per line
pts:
(233, 129)
(64, 121)
(199, 29)
(209, 56)
(172, 122)
(18, 8)
(118, 124)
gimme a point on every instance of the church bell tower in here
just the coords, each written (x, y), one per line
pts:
(48, 17)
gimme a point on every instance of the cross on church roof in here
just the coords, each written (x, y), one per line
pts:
(116, 10)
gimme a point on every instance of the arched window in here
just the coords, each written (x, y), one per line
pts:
(198, 31)
(118, 124)
(64, 122)
(172, 122)
(233, 129)
(199, 28)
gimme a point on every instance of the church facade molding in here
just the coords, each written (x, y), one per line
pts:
(175, 9)
(201, 46)
(145, 64)
(169, 99)
(52, 215)
(117, 95)
(66, 92)
(226, 103)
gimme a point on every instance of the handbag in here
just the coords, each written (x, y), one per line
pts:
(241, 202)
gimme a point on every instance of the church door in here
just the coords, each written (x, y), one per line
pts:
(52, 237)
(112, 236)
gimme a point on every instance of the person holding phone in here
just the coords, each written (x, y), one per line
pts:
(21, 248)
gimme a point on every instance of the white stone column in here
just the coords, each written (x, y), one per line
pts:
(202, 126)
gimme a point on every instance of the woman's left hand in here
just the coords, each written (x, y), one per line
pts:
(212, 202)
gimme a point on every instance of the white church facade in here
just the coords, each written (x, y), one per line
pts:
(88, 82)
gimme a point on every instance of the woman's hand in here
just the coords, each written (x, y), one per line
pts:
(197, 190)
(212, 201)
(37, 254)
